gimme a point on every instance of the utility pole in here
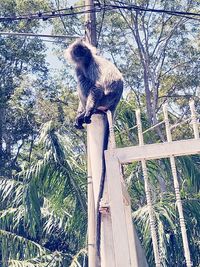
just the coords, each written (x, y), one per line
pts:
(90, 23)
(90, 35)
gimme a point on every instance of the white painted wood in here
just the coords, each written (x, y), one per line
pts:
(96, 135)
(112, 143)
(194, 120)
(127, 248)
(108, 256)
(91, 217)
(138, 258)
(119, 226)
(180, 212)
(157, 151)
(176, 185)
(151, 215)
(120, 245)
(148, 195)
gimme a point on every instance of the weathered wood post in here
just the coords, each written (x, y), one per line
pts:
(96, 134)
(94, 150)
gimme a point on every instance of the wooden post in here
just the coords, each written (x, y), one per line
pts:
(136, 252)
(90, 35)
(96, 133)
(148, 195)
(177, 192)
(90, 23)
(194, 120)
(91, 214)
(120, 245)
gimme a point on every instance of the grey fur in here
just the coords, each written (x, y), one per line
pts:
(100, 83)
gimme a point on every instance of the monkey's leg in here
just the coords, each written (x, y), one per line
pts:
(112, 96)
(96, 93)
(80, 117)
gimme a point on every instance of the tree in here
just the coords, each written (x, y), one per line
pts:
(43, 213)
(19, 58)
(43, 170)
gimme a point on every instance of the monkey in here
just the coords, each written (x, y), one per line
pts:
(100, 83)
(100, 87)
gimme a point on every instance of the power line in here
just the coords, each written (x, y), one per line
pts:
(98, 8)
(54, 11)
(37, 35)
(190, 15)
(40, 14)
(53, 14)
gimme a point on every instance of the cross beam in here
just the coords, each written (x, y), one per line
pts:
(157, 151)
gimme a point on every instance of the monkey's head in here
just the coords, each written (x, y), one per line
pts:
(80, 52)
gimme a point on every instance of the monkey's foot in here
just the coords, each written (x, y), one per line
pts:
(78, 124)
(87, 119)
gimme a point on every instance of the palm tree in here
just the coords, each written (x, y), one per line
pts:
(43, 208)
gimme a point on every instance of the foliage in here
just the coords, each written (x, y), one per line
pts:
(42, 157)
(43, 206)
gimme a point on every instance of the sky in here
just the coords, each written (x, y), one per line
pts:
(51, 57)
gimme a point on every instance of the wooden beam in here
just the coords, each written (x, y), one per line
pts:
(157, 151)
(91, 215)
(127, 248)
(96, 134)
(119, 226)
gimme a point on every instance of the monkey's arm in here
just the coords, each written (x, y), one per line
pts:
(84, 83)
(80, 116)
(94, 97)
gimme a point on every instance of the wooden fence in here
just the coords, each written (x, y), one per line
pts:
(120, 246)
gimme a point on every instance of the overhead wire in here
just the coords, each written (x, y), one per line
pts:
(29, 34)
(140, 8)
(45, 15)
(56, 13)
(40, 13)
(184, 14)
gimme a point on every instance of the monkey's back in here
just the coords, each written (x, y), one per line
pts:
(103, 71)
(111, 81)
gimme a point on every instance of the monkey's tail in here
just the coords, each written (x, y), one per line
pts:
(101, 188)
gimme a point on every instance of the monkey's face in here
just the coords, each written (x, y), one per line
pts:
(80, 54)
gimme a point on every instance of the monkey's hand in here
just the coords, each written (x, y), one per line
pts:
(87, 119)
(79, 122)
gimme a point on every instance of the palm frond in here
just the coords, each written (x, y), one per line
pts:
(80, 256)
(169, 235)
(52, 260)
